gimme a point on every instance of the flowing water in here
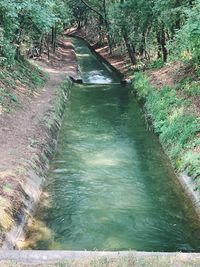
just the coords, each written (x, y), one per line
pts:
(110, 186)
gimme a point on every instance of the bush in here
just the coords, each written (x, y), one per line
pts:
(29, 75)
(176, 125)
(191, 88)
(157, 64)
(142, 85)
(188, 38)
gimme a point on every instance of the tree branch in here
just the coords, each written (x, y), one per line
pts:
(91, 8)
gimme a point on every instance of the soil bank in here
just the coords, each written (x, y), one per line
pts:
(28, 139)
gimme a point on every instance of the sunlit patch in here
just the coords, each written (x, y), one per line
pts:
(45, 199)
(56, 246)
(37, 231)
(177, 112)
(64, 170)
(104, 219)
(6, 220)
(82, 55)
(103, 159)
(104, 137)
(75, 133)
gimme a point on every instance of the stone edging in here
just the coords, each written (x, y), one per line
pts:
(190, 188)
(49, 257)
(35, 175)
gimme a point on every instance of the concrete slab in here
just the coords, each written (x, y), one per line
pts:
(34, 257)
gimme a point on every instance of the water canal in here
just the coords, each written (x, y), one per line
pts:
(110, 186)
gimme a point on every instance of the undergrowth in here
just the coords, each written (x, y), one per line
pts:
(189, 86)
(22, 78)
(174, 121)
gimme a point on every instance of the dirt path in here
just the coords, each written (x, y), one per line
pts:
(20, 130)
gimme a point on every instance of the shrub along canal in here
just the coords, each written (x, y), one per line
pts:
(110, 186)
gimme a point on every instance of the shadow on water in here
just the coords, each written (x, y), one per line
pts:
(110, 186)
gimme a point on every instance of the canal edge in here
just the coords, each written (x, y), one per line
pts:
(35, 175)
(191, 190)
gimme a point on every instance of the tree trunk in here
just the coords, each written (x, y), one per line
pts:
(142, 45)
(55, 37)
(163, 44)
(161, 39)
(41, 45)
(79, 25)
(48, 46)
(100, 26)
(159, 51)
(107, 27)
(130, 49)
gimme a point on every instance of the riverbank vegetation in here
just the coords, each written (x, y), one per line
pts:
(176, 122)
(16, 82)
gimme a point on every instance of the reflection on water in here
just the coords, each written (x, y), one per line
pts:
(110, 187)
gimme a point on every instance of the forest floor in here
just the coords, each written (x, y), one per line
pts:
(21, 129)
(172, 75)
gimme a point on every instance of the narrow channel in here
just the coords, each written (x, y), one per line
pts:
(110, 185)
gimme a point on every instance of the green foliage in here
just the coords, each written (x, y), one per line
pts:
(26, 22)
(29, 75)
(142, 84)
(191, 163)
(144, 28)
(7, 99)
(21, 74)
(176, 125)
(188, 38)
(190, 87)
(157, 64)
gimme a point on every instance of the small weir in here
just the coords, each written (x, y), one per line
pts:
(110, 186)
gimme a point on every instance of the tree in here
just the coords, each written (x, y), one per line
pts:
(26, 23)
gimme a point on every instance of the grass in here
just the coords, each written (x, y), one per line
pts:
(157, 64)
(190, 87)
(175, 122)
(22, 78)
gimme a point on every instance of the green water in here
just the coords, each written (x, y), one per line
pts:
(92, 70)
(110, 186)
